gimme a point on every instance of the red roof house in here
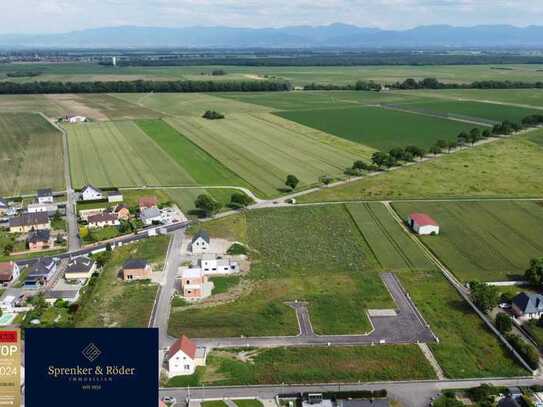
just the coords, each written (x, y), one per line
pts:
(148, 202)
(185, 345)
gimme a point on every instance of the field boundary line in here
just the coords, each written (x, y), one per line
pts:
(428, 354)
(434, 115)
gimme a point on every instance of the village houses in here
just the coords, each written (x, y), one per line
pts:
(195, 285)
(4, 206)
(40, 272)
(114, 196)
(148, 202)
(526, 306)
(80, 269)
(212, 265)
(150, 216)
(102, 220)
(48, 208)
(45, 196)
(29, 221)
(90, 193)
(9, 271)
(122, 212)
(200, 242)
(39, 239)
(183, 357)
(136, 270)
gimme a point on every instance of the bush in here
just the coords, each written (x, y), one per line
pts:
(240, 200)
(530, 353)
(213, 115)
(504, 324)
(237, 249)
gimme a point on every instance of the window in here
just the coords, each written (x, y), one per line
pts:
(187, 367)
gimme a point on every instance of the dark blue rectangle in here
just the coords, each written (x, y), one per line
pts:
(91, 367)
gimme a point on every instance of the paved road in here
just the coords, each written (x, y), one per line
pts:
(304, 321)
(407, 327)
(410, 394)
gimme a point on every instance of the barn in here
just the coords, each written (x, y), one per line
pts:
(423, 224)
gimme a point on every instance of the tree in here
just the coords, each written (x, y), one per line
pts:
(484, 296)
(397, 153)
(207, 204)
(292, 181)
(452, 145)
(442, 144)
(326, 179)
(240, 200)
(416, 151)
(379, 158)
(435, 150)
(504, 324)
(8, 248)
(535, 273)
(475, 135)
(360, 165)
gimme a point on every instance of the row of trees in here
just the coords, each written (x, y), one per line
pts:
(142, 86)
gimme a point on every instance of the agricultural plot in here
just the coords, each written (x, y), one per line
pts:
(120, 154)
(390, 245)
(263, 150)
(188, 104)
(113, 108)
(466, 347)
(31, 156)
(472, 110)
(485, 241)
(296, 255)
(30, 104)
(379, 128)
(505, 168)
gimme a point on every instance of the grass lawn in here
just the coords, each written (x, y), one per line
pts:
(484, 240)
(213, 403)
(263, 149)
(535, 329)
(466, 347)
(295, 256)
(317, 365)
(505, 168)
(224, 283)
(380, 128)
(248, 403)
(31, 156)
(110, 302)
(120, 154)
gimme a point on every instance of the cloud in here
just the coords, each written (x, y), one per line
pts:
(62, 15)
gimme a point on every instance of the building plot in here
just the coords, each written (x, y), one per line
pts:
(120, 154)
(263, 150)
(380, 128)
(483, 240)
(31, 155)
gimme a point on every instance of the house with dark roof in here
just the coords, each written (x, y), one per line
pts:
(70, 296)
(80, 268)
(183, 357)
(363, 403)
(423, 224)
(528, 306)
(9, 271)
(41, 272)
(150, 216)
(102, 220)
(38, 239)
(136, 269)
(115, 196)
(200, 242)
(45, 195)
(29, 221)
(90, 193)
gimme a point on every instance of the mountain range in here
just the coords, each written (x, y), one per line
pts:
(334, 35)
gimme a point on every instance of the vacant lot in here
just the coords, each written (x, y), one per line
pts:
(110, 302)
(390, 245)
(120, 154)
(466, 347)
(486, 241)
(263, 149)
(379, 128)
(505, 168)
(31, 156)
(296, 255)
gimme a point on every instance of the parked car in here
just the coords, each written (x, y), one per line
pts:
(505, 305)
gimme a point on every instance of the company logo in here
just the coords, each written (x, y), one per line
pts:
(91, 352)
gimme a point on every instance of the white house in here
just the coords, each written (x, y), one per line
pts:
(183, 357)
(49, 208)
(423, 224)
(76, 119)
(526, 306)
(4, 206)
(212, 265)
(45, 196)
(90, 193)
(102, 220)
(8, 303)
(150, 215)
(114, 196)
(200, 242)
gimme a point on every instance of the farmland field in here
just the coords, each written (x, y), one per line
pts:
(466, 347)
(263, 149)
(505, 168)
(295, 256)
(120, 154)
(30, 104)
(379, 128)
(31, 156)
(485, 241)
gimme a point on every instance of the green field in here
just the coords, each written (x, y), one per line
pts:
(295, 256)
(379, 128)
(389, 244)
(120, 154)
(263, 149)
(485, 241)
(505, 168)
(111, 303)
(466, 347)
(31, 156)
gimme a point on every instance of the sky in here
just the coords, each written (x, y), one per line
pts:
(48, 16)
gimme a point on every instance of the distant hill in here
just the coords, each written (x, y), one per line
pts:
(335, 35)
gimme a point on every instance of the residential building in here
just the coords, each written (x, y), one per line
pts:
(183, 357)
(90, 193)
(38, 239)
(29, 221)
(76, 119)
(48, 208)
(136, 270)
(526, 306)
(148, 202)
(69, 296)
(423, 224)
(45, 196)
(122, 211)
(102, 220)
(41, 271)
(9, 272)
(195, 285)
(115, 196)
(217, 265)
(150, 216)
(8, 303)
(200, 242)
(3, 206)
(80, 268)
(84, 214)
(364, 403)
